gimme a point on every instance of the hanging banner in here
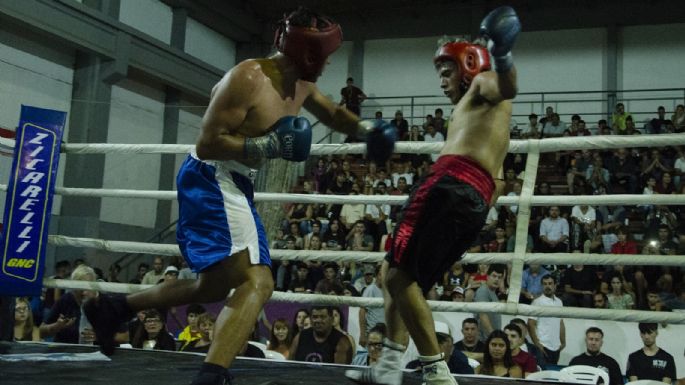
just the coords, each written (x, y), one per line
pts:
(28, 203)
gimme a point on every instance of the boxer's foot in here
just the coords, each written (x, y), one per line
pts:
(211, 374)
(437, 373)
(106, 313)
(387, 370)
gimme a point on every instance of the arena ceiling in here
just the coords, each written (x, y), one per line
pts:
(251, 20)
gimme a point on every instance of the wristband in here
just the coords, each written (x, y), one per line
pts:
(504, 63)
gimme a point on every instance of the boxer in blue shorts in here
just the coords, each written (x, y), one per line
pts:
(446, 211)
(251, 117)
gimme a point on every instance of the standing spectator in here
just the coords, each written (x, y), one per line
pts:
(488, 293)
(497, 360)
(548, 333)
(352, 97)
(554, 232)
(432, 136)
(549, 111)
(523, 359)
(470, 344)
(593, 356)
(400, 124)
(322, 342)
(618, 119)
(371, 316)
(153, 276)
(439, 122)
(651, 362)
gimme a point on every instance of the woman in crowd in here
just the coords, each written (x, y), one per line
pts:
(280, 338)
(497, 359)
(618, 297)
(298, 321)
(24, 328)
(153, 334)
(334, 237)
(205, 322)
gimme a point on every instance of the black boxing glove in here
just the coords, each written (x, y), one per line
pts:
(291, 139)
(501, 27)
(380, 139)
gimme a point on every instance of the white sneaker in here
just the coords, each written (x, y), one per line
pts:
(437, 373)
(387, 371)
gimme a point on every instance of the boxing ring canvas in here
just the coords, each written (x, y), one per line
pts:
(132, 366)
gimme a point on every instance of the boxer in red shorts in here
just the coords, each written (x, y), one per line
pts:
(445, 213)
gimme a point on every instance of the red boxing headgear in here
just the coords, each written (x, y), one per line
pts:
(308, 47)
(472, 59)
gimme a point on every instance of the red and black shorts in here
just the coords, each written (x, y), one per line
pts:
(441, 218)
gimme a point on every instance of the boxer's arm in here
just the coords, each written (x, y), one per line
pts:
(231, 99)
(330, 114)
(496, 87)
(343, 351)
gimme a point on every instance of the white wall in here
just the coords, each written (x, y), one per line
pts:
(190, 123)
(209, 46)
(136, 116)
(148, 16)
(33, 75)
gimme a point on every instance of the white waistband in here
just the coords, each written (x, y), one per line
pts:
(228, 166)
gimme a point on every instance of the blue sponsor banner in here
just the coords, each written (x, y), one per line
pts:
(29, 200)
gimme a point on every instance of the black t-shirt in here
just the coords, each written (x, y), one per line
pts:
(67, 306)
(654, 367)
(309, 350)
(585, 279)
(478, 348)
(601, 361)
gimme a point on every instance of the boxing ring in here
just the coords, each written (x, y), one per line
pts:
(248, 371)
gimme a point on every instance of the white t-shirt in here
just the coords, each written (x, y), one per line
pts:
(437, 138)
(493, 216)
(548, 328)
(680, 164)
(589, 216)
(373, 210)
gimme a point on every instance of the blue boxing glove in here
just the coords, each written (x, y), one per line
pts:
(501, 27)
(291, 139)
(380, 139)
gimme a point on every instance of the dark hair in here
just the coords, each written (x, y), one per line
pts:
(469, 321)
(602, 121)
(619, 104)
(195, 308)
(514, 328)
(305, 17)
(531, 116)
(575, 117)
(497, 268)
(548, 276)
(438, 110)
(652, 289)
(62, 263)
(629, 118)
(661, 108)
(328, 309)
(295, 329)
(350, 79)
(488, 364)
(380, 328)
(648, 327)
(443, 337)
(273, 341)
(594, 329)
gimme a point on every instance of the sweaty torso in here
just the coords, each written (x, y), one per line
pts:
(479, 130)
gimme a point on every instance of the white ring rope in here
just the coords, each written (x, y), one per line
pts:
(475, 307)
(394, 200)
(372, 257)
(516, 146)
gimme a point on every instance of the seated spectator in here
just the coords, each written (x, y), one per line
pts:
(280, 338)
(153, 334)
(630, 127)
(679, 168)
(596, 175)
(528, 346)
(653, 166)
(618, 296)
(456, 277)
(334, 237)
(578, 168)
(140, 273)
(579, 286)
(358, 239)
(321, 343)
(533, 129)
(584, 225)
(296, 234)
(400, 124)
(553, 128)
(470, 345)
(600, 301)
(346, 169)
(300, 282)
(457, 362)
(660, 125)
(279, 242)
(624, 245)
(403, 170)
(650, 362)
(432, 136)
(330, 282)
(678, 118)
(497, 360)
(623, 171)
(24, 328)
(594, 339)
(618, 119)
(205, 322)
(554, 232)
(368, 278)
(677, 301)
(524, 360)
(298, 321)
(531, 282)
(316, 230)
(351, 212)
(192, 331)
(374, 347)
(439, 122)
(654, 302)
(153, 276)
